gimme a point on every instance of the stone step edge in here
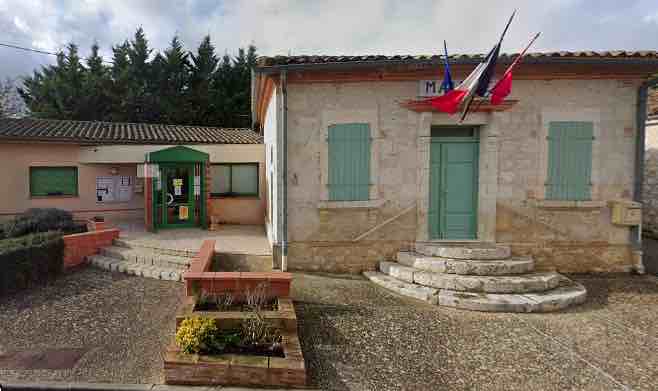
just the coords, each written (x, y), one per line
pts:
(148, 258)
(132, 268)
(186, 253)
(568, 294)
(418, 292)
(512, 265)
(518, 283)
(552, 300)
(464, 251)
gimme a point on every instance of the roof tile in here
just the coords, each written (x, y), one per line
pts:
(122, 133)
(325, 59)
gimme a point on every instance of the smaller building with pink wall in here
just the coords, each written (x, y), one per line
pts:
(165, 176)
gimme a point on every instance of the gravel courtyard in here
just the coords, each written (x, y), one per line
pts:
(121, 322)
(355, 336)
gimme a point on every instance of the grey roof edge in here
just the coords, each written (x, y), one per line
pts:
(459, 60)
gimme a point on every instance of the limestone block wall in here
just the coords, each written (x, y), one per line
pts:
(343, 237)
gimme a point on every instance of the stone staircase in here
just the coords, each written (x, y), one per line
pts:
(129, 257)
(476, 276)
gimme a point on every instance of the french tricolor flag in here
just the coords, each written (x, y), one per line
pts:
(477, 83)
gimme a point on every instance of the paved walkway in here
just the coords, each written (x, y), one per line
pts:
(233, 239)
(357, 336)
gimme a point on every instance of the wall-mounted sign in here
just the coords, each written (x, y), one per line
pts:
(178, 186)
(114, 188)
(183, 213)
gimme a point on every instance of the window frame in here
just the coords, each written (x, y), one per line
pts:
(32, 169)
(231, 193)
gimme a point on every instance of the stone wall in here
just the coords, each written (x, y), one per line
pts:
(344, 237)
(650, 188)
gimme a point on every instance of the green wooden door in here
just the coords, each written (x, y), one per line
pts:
(453, 189)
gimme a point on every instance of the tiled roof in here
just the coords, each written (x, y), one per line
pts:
(122, 133)
(650, 55)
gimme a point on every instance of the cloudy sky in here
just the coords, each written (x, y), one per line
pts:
(324, 26)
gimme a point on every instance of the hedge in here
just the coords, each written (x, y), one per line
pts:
(29, 260)
(40, 220)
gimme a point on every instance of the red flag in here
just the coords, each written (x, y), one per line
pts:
(449, 102)
(504, 86)
(502, 89)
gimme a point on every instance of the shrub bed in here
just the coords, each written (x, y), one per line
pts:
(30, 259)
(41, 220)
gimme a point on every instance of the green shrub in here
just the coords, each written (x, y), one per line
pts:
(200, 334)
(40, 220)
(30, 259)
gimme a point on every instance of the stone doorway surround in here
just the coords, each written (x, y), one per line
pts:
(487, 177)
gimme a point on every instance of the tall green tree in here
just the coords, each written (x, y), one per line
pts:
(174, 86)
(203, 66)
(97, 84)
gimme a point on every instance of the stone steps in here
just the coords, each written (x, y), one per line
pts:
(472, 251)
(429, 295)
(568, 293)
(476, 276)
(516, 265)
(137, 245)
(522, 283)
(137, 269)
(147, 257)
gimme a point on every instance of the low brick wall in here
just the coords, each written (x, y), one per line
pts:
(199, 278)
(78, 247)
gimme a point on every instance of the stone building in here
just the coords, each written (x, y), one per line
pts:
(650, 193)
(359, 169)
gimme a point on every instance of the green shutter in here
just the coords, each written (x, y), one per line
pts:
(569, 160)
(349, 162)
(45, 181)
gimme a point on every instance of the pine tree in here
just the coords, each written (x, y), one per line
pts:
(96, 101)
(175, 81)
(138, 101)
(204, 64)
(176, 86)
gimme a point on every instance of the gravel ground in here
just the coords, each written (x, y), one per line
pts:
(357, 336)
(124, 322)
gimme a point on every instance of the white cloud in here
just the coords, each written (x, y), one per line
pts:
(325, 26)
(21, 25)
(651, 18)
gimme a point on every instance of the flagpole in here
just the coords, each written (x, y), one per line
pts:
(500, 41)
(516, 60)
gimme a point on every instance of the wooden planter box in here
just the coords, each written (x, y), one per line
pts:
(239, 370)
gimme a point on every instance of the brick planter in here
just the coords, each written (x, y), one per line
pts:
(78, 247)
(234, 369)
(283, 318)
(238, 370)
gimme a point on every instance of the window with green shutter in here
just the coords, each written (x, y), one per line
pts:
(349, 162)
(569, 160)
(53, 181)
